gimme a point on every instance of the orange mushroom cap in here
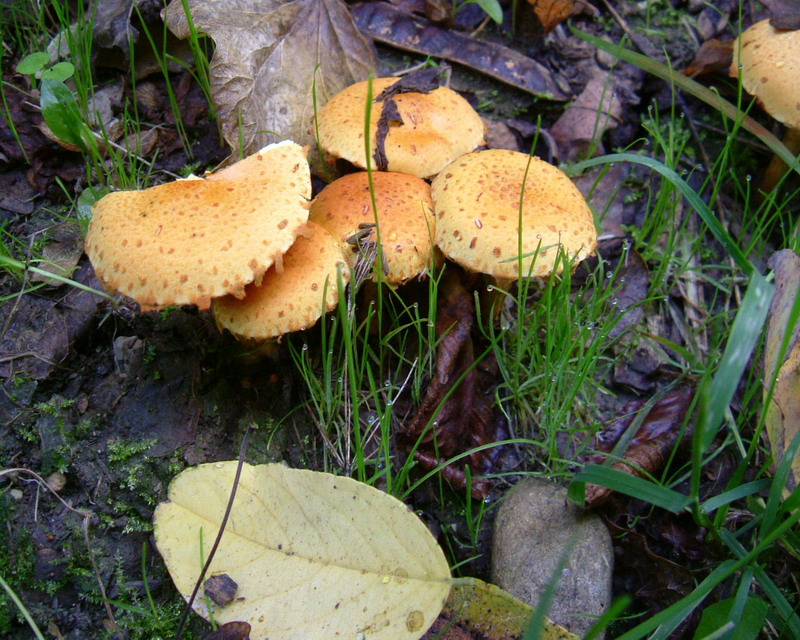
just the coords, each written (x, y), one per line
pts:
(477, 205)
(405, 215)
(770, 69)
(291, 299)
(437, 128)
(192, 240)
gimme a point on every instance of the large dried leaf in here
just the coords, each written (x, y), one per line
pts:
(783, 412)
(580, 128)
(458, 412)
(398, 28)
(266, 55)
(314, 556)
(646, 450)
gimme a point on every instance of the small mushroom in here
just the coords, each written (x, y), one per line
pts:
(289, 300)
(405, 214)
(768, 61)
(478, 222)
(192, 240)
(432, 130)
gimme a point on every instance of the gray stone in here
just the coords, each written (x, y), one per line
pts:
(534, 525)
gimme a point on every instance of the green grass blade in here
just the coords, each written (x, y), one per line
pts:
(22, 609)
(744, 335)
(742, 491)
(708, 216)
(770, 589)
(697, 90)
(629, 485)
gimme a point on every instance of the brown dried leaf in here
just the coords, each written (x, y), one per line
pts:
(62, 253)
(783, 413)
(650, 446)
(111, 21)
(267, 53)
(596, 110)
(552, 13)
(467, 418)
(785, 14)
(393, 26)
(713, 55)
(41, 332)
(231, 631)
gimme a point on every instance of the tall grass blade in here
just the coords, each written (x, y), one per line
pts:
(636, 487)
(708, 216)
(693, 87)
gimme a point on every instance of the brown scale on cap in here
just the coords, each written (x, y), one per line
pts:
(437, 128)
(405, 213)
(770, 61)
(477, 200)
(192, 240)
(291, 300)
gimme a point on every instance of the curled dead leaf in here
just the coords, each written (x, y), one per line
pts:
(713, 55)
(552, 13)
(647, 450)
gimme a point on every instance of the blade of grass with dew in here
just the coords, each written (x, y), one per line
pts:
(744, 334)
(629, 485)
(351, 375)
(708, 216)
(717, 395)
(696, 89)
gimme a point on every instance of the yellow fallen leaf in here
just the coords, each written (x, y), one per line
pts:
(783, 413)
(487, 611)
(315, 556)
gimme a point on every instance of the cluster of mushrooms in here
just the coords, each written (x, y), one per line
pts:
(248, 241)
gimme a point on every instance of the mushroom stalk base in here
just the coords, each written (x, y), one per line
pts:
(777, 167)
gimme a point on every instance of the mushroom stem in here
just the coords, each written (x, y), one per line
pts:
(492, 298)
(777, 167)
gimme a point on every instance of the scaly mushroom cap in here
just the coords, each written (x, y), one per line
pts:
(290, 300)
(437, 128)
(477, 202)
(405, 214)
(770, 61)
(192, 240)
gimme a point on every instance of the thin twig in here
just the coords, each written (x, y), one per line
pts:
(212, 553)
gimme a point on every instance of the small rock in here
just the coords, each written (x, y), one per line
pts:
(56, 481)
(16, 494)
(534, 525)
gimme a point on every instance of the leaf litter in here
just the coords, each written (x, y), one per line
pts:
(196, 379)
(268, 57)
(458, 412)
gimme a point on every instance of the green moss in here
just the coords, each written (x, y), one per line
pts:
(17, 561)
